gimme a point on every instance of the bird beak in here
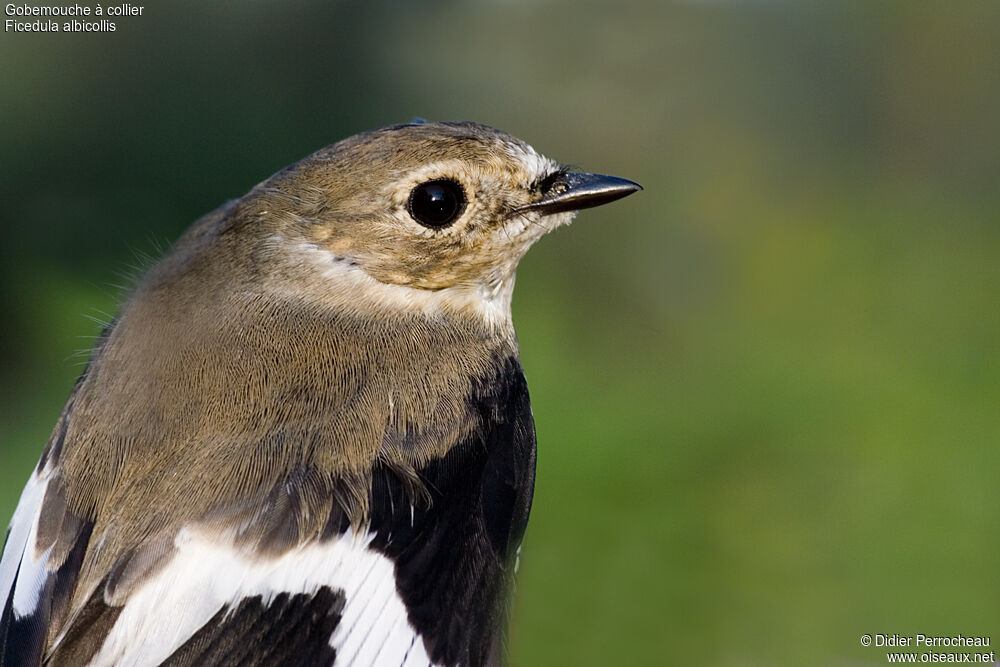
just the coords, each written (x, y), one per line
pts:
(573, 191)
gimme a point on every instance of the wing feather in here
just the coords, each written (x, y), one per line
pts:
(212, 594)
(23, 578)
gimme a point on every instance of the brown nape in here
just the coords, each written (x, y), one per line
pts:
(226, 410)
(238, 388)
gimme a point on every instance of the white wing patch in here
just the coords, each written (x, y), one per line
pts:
(207, 574)
(19, 551)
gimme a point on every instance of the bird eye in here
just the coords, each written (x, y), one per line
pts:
(436, 203)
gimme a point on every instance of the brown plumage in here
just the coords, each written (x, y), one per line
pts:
(290, 344)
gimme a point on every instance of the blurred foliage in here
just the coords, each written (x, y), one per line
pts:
(766, 388)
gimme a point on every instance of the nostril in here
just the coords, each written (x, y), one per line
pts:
(552, 183)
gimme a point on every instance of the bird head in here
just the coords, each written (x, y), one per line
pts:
(420, 216)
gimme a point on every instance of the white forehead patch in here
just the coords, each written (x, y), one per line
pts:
(533, 164)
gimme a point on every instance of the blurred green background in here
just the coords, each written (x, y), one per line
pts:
(767, 389)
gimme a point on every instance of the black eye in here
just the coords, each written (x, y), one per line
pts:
(436, 203)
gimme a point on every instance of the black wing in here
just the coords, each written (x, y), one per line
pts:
(455, 557)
